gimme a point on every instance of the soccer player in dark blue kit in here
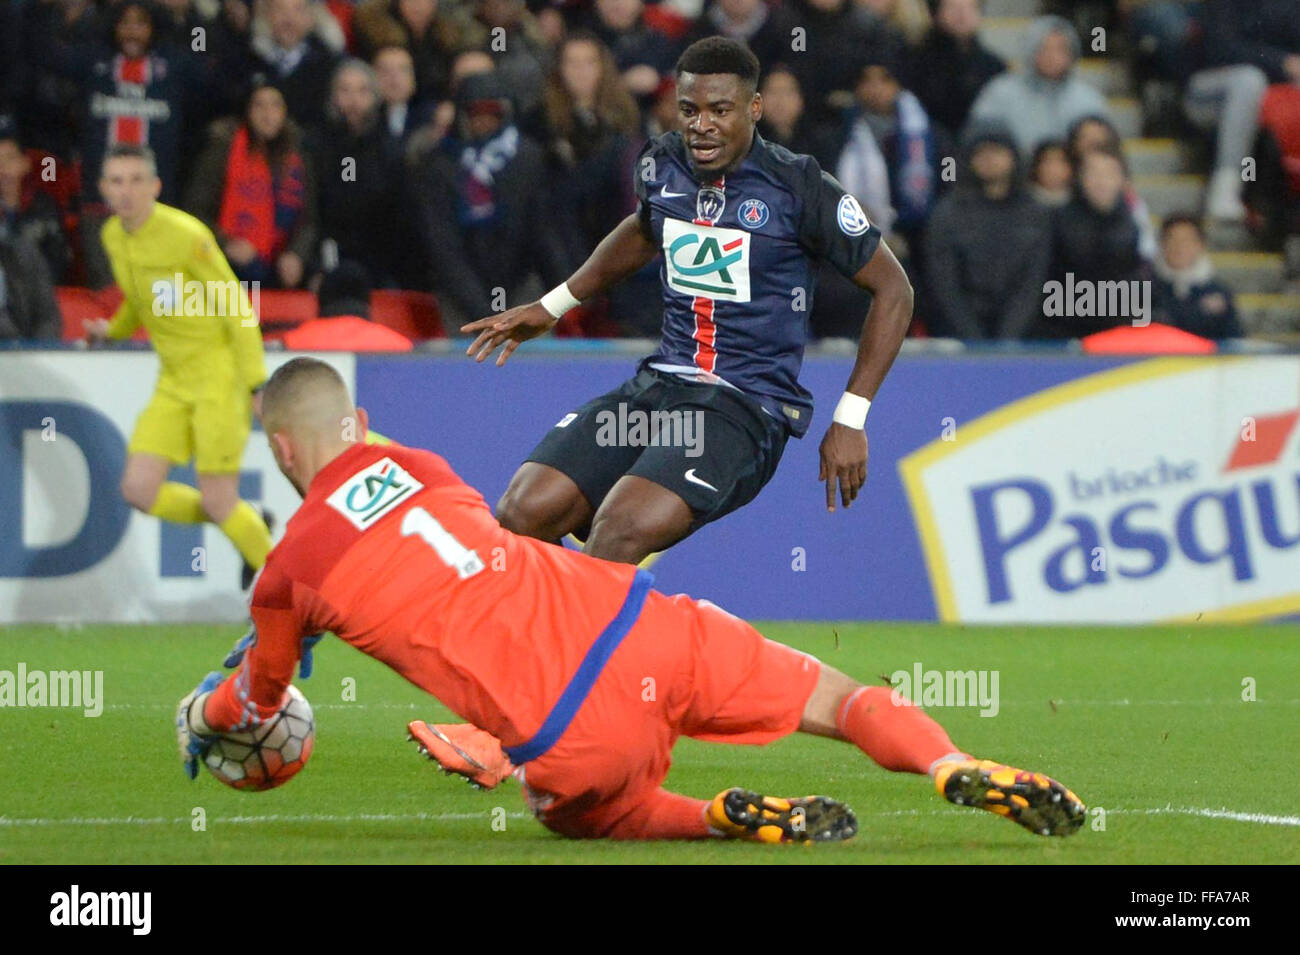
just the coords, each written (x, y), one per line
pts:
(741, 224)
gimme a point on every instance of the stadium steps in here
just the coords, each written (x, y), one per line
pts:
(1168, 194)
(1269, 314)
(1256, 273)
(1001, 9)
(1156, 157)
(1163, 174)
(1230, 237)
(1109, 75)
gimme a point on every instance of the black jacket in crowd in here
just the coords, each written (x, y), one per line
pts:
(946, 76)
(468, 263)
(28, 309)
(1258, 32)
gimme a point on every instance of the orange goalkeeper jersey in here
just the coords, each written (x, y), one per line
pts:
(399, 557)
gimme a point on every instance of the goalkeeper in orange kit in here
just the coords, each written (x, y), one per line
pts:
(585, 674)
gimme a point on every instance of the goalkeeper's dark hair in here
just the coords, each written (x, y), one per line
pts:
(720, 54)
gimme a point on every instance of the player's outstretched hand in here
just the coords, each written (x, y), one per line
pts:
(844, 460)
(512, 327)
(193, 745)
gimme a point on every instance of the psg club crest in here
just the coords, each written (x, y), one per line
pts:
(709, 203)
(853, 221)
(753, 213)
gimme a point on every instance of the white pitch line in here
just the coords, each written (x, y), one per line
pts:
(1259, 818)
(1262, 818)
(244, 820)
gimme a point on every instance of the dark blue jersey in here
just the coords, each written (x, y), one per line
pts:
(740, 265)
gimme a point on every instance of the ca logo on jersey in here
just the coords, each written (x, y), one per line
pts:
(371, 493)
(706, 260)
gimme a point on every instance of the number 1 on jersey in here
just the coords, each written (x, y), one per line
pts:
(453, 553)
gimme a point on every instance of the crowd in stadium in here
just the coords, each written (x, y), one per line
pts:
(473, 147)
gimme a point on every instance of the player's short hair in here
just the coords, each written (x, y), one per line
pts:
(284, 386)
(131, 151)
(720, 54)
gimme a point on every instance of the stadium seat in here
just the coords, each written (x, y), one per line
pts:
(78, 304)
(1153, 339)
(282, 309)
(414, 314)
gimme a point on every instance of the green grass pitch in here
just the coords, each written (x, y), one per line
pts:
(1148, 724)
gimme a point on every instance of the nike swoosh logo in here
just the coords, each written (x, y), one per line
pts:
(690, 476)
(664, 193)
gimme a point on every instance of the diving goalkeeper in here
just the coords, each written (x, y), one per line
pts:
(585, 674)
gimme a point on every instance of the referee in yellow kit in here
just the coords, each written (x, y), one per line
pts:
(176, 282)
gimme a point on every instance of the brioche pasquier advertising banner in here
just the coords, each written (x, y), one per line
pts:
(1166, 489)
(1001, 488)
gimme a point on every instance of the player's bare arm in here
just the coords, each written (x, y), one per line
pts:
(844, 448)
(625, 251)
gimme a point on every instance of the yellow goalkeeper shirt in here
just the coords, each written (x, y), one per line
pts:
(177, 283)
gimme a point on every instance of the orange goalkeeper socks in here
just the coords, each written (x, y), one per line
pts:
(893, 730)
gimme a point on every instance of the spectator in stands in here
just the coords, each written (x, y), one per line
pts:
(1096, 132)
(837, 36)
(484, 221)
(588, 123)
(401, 114)
(785, 121)
(910, 18)
(519, 48)
(50, 99)
(987, 244)
(1051, 174)
(361, 182)
(299, 62)
(952, 65)
(28, 309)
(1095, 240)
(642, 53)
(432, 31)
(765, 28)
(1248, 44)
(325, 26)
(27, 211)
(1186, 293)
(134, 93)
(255, 189)
(1043, 99)
(889, 160)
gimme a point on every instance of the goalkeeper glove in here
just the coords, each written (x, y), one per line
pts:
(305, 663)
(193, 737)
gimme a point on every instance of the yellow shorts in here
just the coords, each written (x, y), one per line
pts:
(211, 429)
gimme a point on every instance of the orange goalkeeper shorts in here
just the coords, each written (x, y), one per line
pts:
(686, 668)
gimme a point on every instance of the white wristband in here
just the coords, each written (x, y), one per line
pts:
(559, 300)
(852, 411)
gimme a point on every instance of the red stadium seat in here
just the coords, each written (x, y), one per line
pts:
(414, 314)
(286, 308)
(78, 304)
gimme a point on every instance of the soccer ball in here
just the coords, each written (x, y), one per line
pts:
(268, 755)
